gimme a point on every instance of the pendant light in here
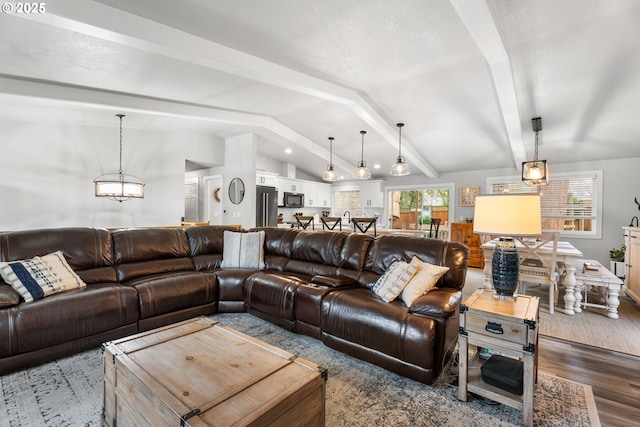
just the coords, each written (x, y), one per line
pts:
(330, 174)
(399, 168)
(119, 186)
(362, 171)
(537, 171)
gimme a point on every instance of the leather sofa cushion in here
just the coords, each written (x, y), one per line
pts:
(272, 294)
(354, 251)
(333, 281)
(136, 270)
(358, 316)
(441, 302)
(208, 239)
(231, 284)
(149, 244)
(206, 244)
(174, 291)
(278, 241)
(147, 252)
(8, 296)
(386, 249)
(84, 248)
(207, 261)
(98, 275)
(320, 247)
(66, 317)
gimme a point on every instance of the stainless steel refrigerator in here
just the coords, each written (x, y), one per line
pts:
(266, 206)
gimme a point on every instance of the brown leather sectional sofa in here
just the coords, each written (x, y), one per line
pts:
(315, 283)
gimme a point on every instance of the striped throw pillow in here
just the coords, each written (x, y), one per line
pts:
(39, 277)
(393, 281)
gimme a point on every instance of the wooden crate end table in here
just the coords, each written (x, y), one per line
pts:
(509, 327)
(202, 373)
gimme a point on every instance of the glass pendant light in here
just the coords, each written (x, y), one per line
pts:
(330, 174)
(399, 168)
(537, 171)
(362, 171)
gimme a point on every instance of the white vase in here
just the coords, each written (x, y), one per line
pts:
(618, 268)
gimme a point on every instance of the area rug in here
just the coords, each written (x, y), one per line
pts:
(591, 327)
(68, 392)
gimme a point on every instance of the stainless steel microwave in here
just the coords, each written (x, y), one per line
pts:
(293, 200)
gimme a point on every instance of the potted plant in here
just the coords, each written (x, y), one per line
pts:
(616, 255)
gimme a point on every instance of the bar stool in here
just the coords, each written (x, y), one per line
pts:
(434, 222)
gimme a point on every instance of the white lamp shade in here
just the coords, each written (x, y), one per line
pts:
(508, 215)
(119, 190)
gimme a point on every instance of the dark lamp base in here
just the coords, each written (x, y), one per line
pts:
(505, 268)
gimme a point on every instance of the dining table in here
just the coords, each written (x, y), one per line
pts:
(566, 253)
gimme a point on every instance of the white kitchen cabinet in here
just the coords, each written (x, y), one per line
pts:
(317, 194)
(311, 194)
(266, 179)
(324, 195)
(371, 194)
(288, 185)
(632, 261)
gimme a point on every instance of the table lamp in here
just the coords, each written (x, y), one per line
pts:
(507, 216)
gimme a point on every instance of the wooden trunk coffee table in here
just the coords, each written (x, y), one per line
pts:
(202, 373)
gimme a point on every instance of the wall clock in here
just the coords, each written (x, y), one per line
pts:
(468, 195)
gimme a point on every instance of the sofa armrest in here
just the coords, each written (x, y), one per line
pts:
(440, 302)
(8, 296)
(333, 281)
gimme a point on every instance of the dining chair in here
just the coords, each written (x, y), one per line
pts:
(435, 222)
(537, 268)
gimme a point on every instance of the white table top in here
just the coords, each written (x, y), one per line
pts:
(564, 248)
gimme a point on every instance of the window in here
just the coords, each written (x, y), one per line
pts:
(571, 203)
(413, 208)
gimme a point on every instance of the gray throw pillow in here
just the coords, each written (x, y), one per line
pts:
(243, 250)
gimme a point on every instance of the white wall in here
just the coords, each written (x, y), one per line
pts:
(240, 162)
(47, 172)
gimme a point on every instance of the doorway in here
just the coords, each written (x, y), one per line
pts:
(191, 200)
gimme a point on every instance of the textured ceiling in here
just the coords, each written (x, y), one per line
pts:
(465, 77)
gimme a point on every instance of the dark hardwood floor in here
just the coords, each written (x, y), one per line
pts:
(614, 377)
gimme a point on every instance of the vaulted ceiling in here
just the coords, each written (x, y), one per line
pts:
(465, 77)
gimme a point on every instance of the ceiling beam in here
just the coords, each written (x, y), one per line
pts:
(117, 102)
(477, 17)
(108, 23)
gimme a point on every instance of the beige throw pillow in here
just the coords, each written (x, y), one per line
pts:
(60, 268)
(425, 280)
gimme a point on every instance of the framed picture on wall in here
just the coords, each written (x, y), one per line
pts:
(468, 195)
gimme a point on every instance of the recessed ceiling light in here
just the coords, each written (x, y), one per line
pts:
(288, 150)
(376, 166)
